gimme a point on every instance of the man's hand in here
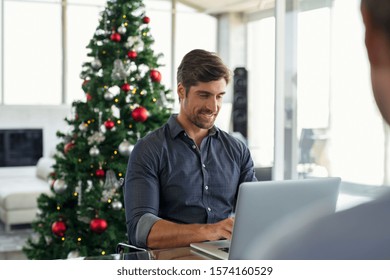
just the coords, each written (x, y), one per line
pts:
(220, 230)
(165, 234)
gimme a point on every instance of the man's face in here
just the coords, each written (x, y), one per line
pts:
(200, 106)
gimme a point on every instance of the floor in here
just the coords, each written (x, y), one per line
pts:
(11, 243)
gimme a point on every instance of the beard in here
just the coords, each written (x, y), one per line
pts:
(203, 119)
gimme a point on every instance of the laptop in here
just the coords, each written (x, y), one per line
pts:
(264, 205)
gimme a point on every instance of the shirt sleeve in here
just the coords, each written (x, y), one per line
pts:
(141, 192)
(143, 227)
(247, 167)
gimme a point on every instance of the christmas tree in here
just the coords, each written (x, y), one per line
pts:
(124, 100)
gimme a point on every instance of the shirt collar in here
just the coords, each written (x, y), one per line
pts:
(176, 129)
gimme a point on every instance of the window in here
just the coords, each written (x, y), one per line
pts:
(32, 52)
(82, 21)
(334, 92)
(261, 77)
(32, 55)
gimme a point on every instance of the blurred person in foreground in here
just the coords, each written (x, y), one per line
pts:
(361, 232)
(182, 179)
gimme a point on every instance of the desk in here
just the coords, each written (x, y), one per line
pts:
(182, 253)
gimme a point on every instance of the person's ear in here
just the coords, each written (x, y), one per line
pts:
(181, 91)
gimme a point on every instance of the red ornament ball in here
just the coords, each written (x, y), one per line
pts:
(115, 37)
(132, 54)
(68, 147)
(155, 76)
(146, 19)
(58, 228)
(140, 114)
(98, 225)
(109, 124)
(100, 173)
(125, 87)
(88, 96)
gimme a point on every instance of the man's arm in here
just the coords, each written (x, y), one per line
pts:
(166, 234)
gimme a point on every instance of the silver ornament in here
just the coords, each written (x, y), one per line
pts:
(118, 71)
(59, 186)
(116, 205)
(96, 138)
(140, 46)
(100, 32)
(115, 90)
(94, 151)
(73, 254)
(122, 30)
(125, 148)
(39, 212)
(111, 180)
(83, 127)
(108, 96)
(143, 69)
(132, 41)
(35, 238)
(96, 63)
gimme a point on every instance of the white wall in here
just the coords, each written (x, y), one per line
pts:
(48, 118)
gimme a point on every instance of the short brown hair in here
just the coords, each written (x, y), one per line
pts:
(201, 66)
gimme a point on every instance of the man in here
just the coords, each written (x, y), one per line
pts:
(182, 179)
(362, 232)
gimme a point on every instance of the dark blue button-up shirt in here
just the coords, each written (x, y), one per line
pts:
(169, 177)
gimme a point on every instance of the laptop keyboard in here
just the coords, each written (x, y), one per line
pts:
(225, 249)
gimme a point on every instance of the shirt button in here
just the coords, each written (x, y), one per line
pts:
(204, 166)
(193, 146)
(185, 134)
(209, 209)
(206, 187)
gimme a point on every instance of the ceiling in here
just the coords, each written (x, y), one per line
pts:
(225, 6)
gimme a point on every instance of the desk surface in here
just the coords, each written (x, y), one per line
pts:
(182, 253)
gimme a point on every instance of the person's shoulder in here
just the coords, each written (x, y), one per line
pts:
(234, 139)
(155, 138)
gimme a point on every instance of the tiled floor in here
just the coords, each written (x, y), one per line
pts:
(11, 243)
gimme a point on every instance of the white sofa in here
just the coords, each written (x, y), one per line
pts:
(19, 189)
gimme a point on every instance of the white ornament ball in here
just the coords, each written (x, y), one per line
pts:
(125, 148)
(60, 186)
(96, 63)
(116, 205)
(73, 254)
(83, 127)
(108, 96)
(94, 151)
(122, 30)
